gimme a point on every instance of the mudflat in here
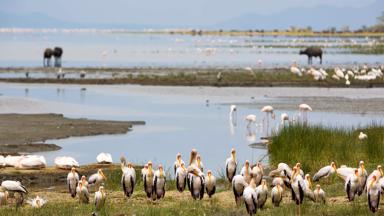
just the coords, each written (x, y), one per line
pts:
(28, 132)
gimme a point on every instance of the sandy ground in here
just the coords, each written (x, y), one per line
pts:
(19, 132)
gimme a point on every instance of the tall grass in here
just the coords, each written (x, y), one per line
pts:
(317, 146)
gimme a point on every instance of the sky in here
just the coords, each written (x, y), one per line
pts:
(160, 12)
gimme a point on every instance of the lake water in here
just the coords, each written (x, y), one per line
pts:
(96, 48)
(177, 118)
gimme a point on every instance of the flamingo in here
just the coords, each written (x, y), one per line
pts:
(303, 109)
(250, 119)
(269, 111)
(233, 114)
(284, 117)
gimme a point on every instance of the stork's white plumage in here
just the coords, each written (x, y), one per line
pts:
(210, 184)
(238, 185)
(72, 181)
(82, 192)
(373, 193)
(159, 184)
(262, 193)
(97, 179)
(14, 186)
(351, 185)
(246, 172)
(325, 172)
(277, 194)
(100, 197)
(231, 165)
(181, 178)
(250, 198)
(319, 194)
(128, 180)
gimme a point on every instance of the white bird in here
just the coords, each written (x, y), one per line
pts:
(230, 166)
(251, 119)
(144, 171)
(378, 172)
(308, 188)
(297, 187)
(100, 198)
(373, 193)
(269, 111)
(262, 193)
(200, 164)
(2, 161)
(14, 186)
(159, 184)
(82, 192)
(65, 162)
(277, 194)
(210, 184)
(3, 198)
(238, 185)
(148, 180)
(250, 198)
(181, 177)
(257, 173)
(83, 181)
(351, 185)
(196, 183)
(37, 202)
(104, 158)
(304, 109)
(246, 172)
(128, 180)
(97, 179)
(295, 70)
(319, 194)
(339, 72)
(363, 176)
(178, 162)
(233, 114)
(72, 181)
(31, 162)
(325, 172)
(193, 161)
(11, 161)
(284, 117)
(347, 82)
(282, 170)
(362, 136)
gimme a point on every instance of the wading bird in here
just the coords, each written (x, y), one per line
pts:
(351, 185)
(100, 197)
(250, 198)
(82, 192)
(148, 180)
(246, 172)
(362, 136)
(104, 158)
(251, 119)
(159, 184)
(277, 195)
(181, 177)
(269, 111)
(197, 183)
(262, 193)
(210, 184)
(178, 162)
(238, 185)
(319, 194)
(230, 166)
(304, 109)
(128, 179)
(325, 172)
(373, 193)
(97, 179)
(72, 181)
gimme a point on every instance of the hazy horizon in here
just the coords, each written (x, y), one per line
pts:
(199, 13)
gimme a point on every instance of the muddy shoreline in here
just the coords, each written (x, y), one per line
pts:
(26, 133)
(230, 77)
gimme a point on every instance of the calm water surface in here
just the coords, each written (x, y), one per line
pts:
(177, 118)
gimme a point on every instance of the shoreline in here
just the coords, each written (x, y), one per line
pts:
(230, 77)
(27, 133)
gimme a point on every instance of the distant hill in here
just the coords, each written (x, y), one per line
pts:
(319, 18)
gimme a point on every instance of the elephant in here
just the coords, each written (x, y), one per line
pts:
(312, 52)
